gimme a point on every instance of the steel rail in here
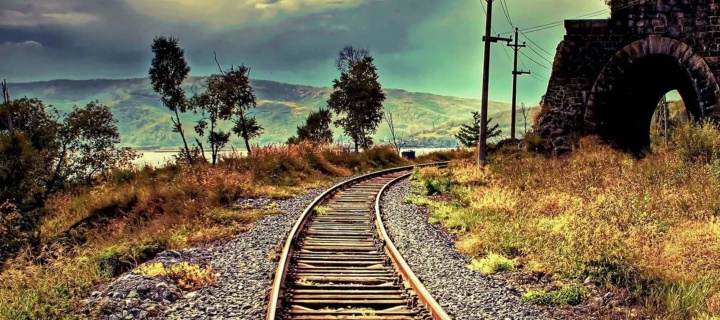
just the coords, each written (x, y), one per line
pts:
(284, 263)
(424, 297)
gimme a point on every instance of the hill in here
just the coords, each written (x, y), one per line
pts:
(427, 119)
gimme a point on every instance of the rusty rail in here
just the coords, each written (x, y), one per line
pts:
(341, 264)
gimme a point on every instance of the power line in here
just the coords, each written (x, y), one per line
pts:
(539, 55)
(533, 60)
(482, 3)
(533, 42)
(503, 4)
(587, 15)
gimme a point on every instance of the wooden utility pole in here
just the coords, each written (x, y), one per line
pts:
(516, 47)
(6, 98)
(482, 141)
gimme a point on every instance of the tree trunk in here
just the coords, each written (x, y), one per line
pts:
(182, 134)
(247, 144)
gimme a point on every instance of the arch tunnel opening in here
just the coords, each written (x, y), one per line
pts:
(629, 105)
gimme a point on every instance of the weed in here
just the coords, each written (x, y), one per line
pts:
(491, 264)
(321, 210)
(186, 276)
(571, 294)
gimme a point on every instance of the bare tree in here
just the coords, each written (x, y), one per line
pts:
(348, 56)
(525, 112)
(397, 141)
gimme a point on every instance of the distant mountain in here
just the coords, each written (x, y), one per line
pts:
(430, 120)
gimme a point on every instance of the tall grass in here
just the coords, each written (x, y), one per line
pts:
(650, 226)
(93, 234)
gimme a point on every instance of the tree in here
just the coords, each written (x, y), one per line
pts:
(525, 112)
(359, 96)
(468, 134)
(349, 56)
(397, 142)
(316, 128)
(237, 93)
(214, 109)
(167, 73)
(89, 139)
(46, 151)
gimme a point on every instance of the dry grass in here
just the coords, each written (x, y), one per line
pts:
(651, 226)
(91, 235)
(186, 276)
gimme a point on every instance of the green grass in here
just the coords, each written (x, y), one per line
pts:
(492, 263)
(571, 294)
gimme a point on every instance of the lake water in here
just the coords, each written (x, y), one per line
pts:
(160, 157)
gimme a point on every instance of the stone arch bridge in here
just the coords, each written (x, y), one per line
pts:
(608, 75)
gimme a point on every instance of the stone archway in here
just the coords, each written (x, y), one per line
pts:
(625, 94)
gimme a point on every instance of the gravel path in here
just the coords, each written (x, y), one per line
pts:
(430, 252)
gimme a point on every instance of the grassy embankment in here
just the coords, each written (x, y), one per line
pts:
(649, 227)
(92, 234)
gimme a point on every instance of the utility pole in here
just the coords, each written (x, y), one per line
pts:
(666, 113)
(482, 142)
(516, 47)
(6, 99)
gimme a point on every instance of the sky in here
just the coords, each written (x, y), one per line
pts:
(432, 46)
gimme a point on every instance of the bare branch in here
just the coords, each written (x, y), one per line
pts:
(218, 63)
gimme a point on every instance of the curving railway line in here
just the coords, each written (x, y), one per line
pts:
(339, 263)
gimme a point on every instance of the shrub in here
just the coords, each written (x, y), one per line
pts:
(571, 294)
(492, 263)
(697, 142)
(186, 276)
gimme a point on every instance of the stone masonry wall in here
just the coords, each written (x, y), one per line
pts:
(589, 45)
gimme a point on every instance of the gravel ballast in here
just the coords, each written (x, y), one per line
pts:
(430, 252)
(244, 267)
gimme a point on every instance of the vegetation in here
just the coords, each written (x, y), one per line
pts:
(468, 134)
(167, 73)
(492, 263)
(567, 295)
(93, 233)
(647, 227)
(145, 123)
(186, 276)
(239, 94)
(316, 128)
(45, 152)
(358, 96)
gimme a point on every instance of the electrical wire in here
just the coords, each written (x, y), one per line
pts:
(533, 60)
(587, 15)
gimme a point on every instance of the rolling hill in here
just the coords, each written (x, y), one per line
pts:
(428, 120)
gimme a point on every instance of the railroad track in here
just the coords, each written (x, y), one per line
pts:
(339, 263)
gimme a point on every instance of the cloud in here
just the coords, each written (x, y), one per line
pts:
(232, 13)
(19, 13)
(24, 44)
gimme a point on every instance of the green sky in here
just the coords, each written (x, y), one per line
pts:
(420, 45)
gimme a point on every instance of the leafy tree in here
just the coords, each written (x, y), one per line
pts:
(89, 139)
(167, 73)
(316, 128)
(468, 134)
(214, 109)
(236, 93)
(45, 151)
(359, 96)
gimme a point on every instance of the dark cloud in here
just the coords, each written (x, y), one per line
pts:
(114, 39)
